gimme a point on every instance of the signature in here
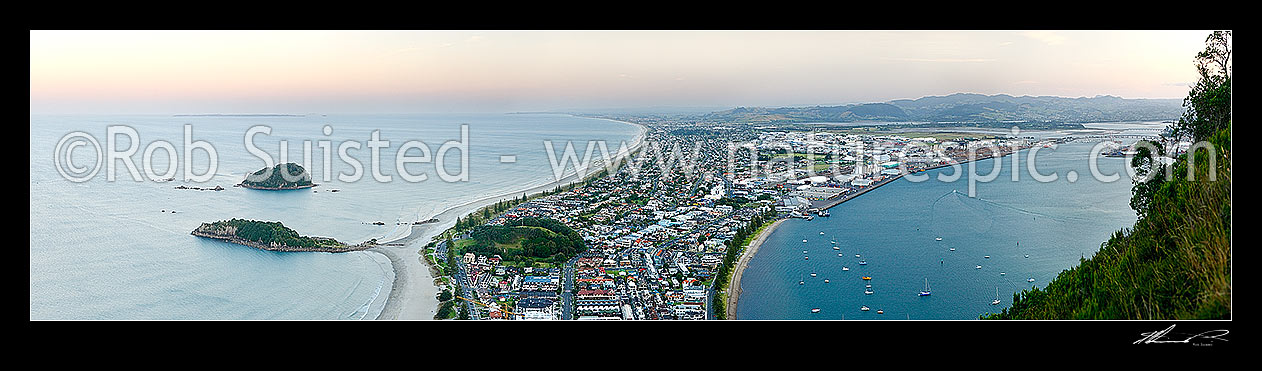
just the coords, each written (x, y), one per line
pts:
(1157, 337)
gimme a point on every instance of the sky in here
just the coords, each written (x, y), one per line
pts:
(301, 72)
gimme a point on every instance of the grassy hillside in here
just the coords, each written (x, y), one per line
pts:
(526, 239)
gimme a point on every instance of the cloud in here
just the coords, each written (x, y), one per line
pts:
(1023, 82)
(1047, 37)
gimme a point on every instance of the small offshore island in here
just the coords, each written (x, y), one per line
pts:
(272, 236)
(276, 179)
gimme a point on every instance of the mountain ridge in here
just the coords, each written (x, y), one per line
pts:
(966, 107)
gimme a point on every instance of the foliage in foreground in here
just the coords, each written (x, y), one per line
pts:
(1175, 263)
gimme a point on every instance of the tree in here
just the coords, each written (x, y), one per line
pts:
(464, 308)
(1207, 108)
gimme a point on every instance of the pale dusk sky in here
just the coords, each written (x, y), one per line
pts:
(504, 71)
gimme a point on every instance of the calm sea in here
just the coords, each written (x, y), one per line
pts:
(894, 229)
(115, 250)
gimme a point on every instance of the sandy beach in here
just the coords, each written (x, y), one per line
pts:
(413, 295)
(734, 289)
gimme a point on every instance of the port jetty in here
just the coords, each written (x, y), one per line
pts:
(820, 205)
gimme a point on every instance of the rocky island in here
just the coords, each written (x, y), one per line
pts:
(280, 177)
(272, 236)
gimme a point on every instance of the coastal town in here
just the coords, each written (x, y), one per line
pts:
(660, 229)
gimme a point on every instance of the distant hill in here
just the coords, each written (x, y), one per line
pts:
(966, 107)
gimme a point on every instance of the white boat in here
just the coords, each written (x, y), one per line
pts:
(926, 291)
(803, 241)
(996, 302)
(867, 292)
(938, 239)
(856, 255)
(801, 281)
(1003, 273)
(803, 251)
(1027, 256)
(836, 248)
(821, 233)
(987, 256)
(825, 280)
(845, 268)
(868, 286)
(812, 274)
(864, 308)
(1030, 280)
(952, 249)
(806, 258)
(841, 255)
(878, 311)
(816, 310)
(979, 267)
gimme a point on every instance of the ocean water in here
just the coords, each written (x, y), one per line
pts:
(105, 249)
(894, 228)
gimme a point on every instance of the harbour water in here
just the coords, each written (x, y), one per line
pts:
(894, 229)
(122, 249)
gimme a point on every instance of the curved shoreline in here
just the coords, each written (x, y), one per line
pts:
(734, 287)
(405, 302)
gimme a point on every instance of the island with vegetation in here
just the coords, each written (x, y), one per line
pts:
(1175, 262)
(272, 236)
(280, 177)
(525, 241)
